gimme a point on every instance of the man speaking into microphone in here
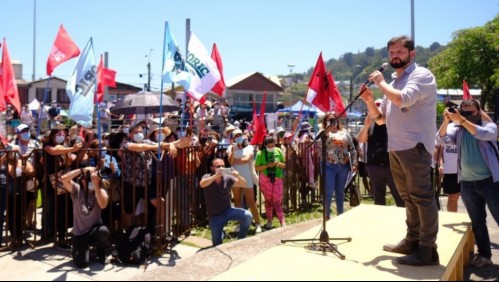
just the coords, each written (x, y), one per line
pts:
(409, 112)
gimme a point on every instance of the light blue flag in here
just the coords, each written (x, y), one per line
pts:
(81, 87)
(174, 70)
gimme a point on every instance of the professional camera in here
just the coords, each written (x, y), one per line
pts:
(453, 109)
(105, 173)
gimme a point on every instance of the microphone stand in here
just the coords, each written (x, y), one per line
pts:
(324, 243)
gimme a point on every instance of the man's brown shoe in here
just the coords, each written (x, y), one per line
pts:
(403, 247)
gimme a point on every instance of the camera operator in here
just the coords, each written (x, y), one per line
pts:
(478, 168)
(88, 201)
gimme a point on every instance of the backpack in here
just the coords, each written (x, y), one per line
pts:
(135, 245)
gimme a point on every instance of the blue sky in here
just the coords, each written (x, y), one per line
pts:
(256, 35)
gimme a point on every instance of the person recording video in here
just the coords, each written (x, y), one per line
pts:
(478, 168)
(217, 192)
(409, 112)
(88, 201)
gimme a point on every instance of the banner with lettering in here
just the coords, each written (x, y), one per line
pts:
(203, 69)
(81, 87)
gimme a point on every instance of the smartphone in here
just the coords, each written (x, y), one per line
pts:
(78, 140)
(226, 171)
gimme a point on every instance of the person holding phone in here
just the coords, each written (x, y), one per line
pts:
(217, 192)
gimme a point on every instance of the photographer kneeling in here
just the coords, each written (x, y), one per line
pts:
(88, 201)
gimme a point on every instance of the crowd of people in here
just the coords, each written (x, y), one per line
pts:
(396, 148)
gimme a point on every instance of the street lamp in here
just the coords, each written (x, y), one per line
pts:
(352, 78)
(290, 66)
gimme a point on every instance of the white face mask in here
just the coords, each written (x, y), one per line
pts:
(270, 150)
(138, 138)
(106, 143)
(126, 130)
(90, 186)
(60, 139)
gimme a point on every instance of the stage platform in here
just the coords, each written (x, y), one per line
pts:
(370, 227)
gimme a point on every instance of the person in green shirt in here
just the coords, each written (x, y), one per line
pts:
(270, 163)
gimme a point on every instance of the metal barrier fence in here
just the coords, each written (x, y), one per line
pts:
(174, 204)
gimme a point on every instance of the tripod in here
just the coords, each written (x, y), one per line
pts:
(324, 243)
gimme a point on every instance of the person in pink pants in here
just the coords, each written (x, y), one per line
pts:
(270, 164)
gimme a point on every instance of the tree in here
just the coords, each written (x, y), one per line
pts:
(472, 56)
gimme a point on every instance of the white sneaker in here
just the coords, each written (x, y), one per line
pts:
(238, 227)
(258, 229)
(479, 261)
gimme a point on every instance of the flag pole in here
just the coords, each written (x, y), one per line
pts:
(161, 95)
(187, 38)
(40, 111)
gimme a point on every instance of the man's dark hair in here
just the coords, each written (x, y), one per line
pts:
(470, 102)
(405, 40)
(216, 159)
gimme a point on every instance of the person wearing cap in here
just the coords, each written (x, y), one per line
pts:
(24, 162)
(241, 159)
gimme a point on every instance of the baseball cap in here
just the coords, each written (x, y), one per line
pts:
(21, 127)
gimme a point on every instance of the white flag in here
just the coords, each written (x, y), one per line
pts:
(81, 87)
(202, 67)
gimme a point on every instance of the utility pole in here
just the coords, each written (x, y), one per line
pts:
(290, 66)
(149, 71)
(34, 42)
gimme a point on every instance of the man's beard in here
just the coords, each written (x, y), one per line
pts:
(400, 64)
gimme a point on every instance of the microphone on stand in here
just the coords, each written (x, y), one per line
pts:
(381, 69)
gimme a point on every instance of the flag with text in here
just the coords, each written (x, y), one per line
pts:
(63, 49)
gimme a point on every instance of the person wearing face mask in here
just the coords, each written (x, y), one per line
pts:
(21, 203)
(241, 159)
(341, 156)
(475, 137)
(138, 167)
(89, 199)
(26, 116)
(57, 158)
(270, 163)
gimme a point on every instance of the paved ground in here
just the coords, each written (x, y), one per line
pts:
(184, 262)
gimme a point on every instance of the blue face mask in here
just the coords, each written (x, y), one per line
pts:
(25, 136)
(239, 140)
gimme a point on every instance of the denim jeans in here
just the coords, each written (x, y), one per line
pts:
(476, 195)
(217, 223)
(336, 178)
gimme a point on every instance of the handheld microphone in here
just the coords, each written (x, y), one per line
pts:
(382, 69)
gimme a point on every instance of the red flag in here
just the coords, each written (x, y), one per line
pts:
(336, 104)
(8, 80)
(466, 91)
(255, 117)
(105, 77)
(219, 87)
(318, 87)
(63, 49)
(261, 129)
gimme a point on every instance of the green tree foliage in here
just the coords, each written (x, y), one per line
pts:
(473, 55)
